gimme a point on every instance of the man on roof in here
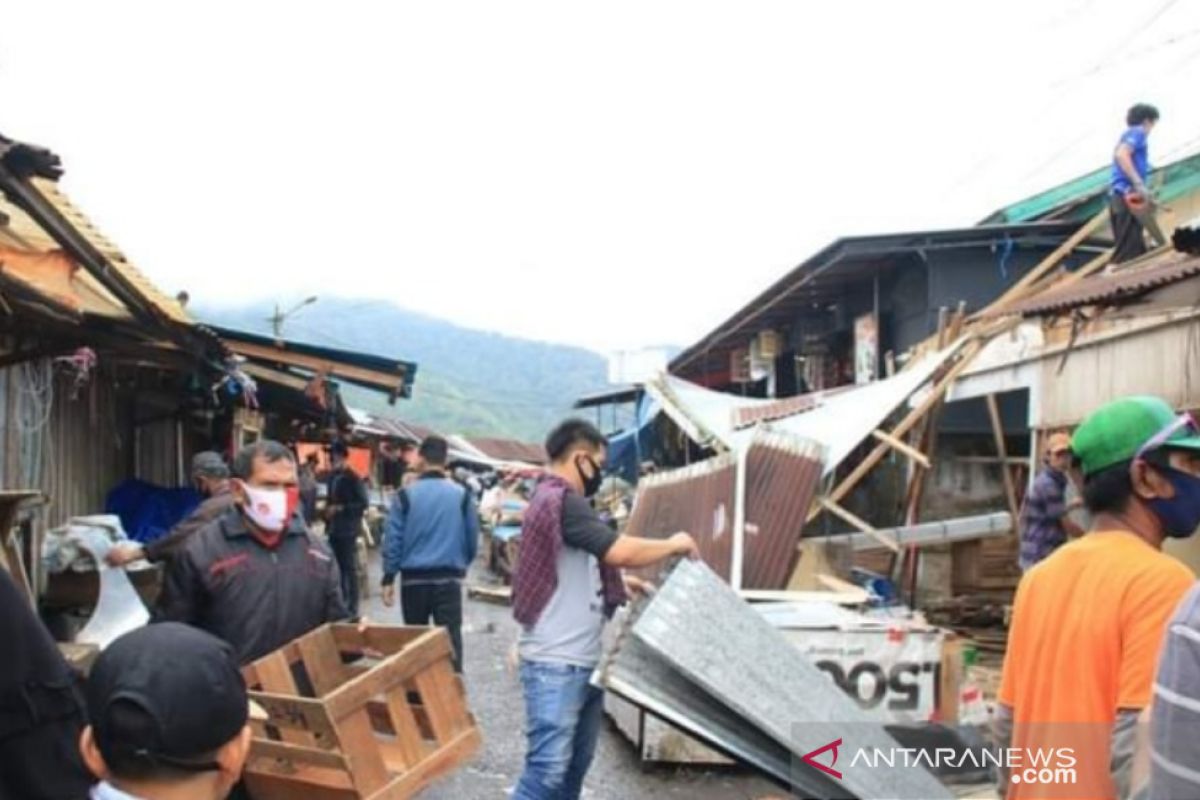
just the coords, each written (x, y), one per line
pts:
(1088, 621)
(1129, 195)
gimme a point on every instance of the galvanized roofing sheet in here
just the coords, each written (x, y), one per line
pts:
(510, 450)
(1112, 289)
(840, 421)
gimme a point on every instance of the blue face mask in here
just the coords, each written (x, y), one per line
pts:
(1180, 515)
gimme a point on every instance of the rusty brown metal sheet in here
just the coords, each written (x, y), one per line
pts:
(698, 499)
(783, 472)
(1116, 288)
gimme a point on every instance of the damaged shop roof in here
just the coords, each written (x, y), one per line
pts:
(855, 258)
(839, 420)
(37, 217)
(392, 376)
(1118, 288)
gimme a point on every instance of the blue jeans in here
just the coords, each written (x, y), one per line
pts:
(562, 723)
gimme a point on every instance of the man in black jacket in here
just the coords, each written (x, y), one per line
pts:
(255, 577)
(41, 709)
(347, 504)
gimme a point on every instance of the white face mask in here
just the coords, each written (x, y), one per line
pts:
(270, 509)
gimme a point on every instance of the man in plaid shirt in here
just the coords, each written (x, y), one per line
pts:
(567, 584)
(1045, 525)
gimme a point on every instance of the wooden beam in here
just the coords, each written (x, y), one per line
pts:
(903, 447)
(1046, 265)
(1010, 491)
(370, 377)
(908, 423)
(861, 524)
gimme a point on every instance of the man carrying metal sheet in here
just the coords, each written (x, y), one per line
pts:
(1088, 622)
(567, 583)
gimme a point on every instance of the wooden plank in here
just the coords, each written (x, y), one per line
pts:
(441, 762)
(361, 749)
(310, 783)
(910, 420)
(386, 639)
(393, 671)
(322, 662)
(381, 380)
(1023, 287)
(438, 702)
(295, 754)
(410, 743)
(275, 676)
(943, 321)
(950, 685)
(1010, 491)
(904, 447)
(859, 523)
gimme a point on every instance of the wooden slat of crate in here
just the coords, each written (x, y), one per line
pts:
(387, 639)
(442, 693)
(422, 653)
(291, 752)
(298, 715)
(363, 757)
(322, 661)
(274, 674)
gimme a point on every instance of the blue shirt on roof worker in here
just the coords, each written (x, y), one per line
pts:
(1134, 138)
(1130, 201)
(431, 538)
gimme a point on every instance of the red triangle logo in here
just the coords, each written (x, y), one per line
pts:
(811, 759)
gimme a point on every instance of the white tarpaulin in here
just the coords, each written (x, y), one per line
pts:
(839, 420)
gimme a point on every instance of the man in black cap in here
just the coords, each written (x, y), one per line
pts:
(169, 717)
(255, 577)
(210, 477)
(347, 505)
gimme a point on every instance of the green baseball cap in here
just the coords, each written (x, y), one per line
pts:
(1117, 431)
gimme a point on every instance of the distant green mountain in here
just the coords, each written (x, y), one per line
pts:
(468, 381)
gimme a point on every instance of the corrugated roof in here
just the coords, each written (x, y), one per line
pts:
(1112, 289)
(169, 306)
(509, 450)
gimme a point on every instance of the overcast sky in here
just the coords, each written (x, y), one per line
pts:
(605, 174)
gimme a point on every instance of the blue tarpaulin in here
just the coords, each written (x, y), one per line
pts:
(148, 511)
(627, 449)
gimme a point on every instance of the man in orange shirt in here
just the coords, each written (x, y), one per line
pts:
(1088, 621)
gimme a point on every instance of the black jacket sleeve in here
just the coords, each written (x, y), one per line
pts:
(182, 592)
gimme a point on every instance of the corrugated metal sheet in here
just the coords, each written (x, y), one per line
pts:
(698, 499)
(703, 631)
(745, 417)
(1114, 289)
(70, 449)
(510, 450)
(783, 473)
(58, 279)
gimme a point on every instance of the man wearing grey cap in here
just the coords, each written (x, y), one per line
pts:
(210, 477)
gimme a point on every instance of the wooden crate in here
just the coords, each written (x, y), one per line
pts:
(381, 726)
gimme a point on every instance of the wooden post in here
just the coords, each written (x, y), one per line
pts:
(908, 423)
(1010, 492)
(904, 447)
(860, 523)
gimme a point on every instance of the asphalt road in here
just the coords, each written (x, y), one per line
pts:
(495, 698)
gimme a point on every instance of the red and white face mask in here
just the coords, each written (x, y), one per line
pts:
(270, 509)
